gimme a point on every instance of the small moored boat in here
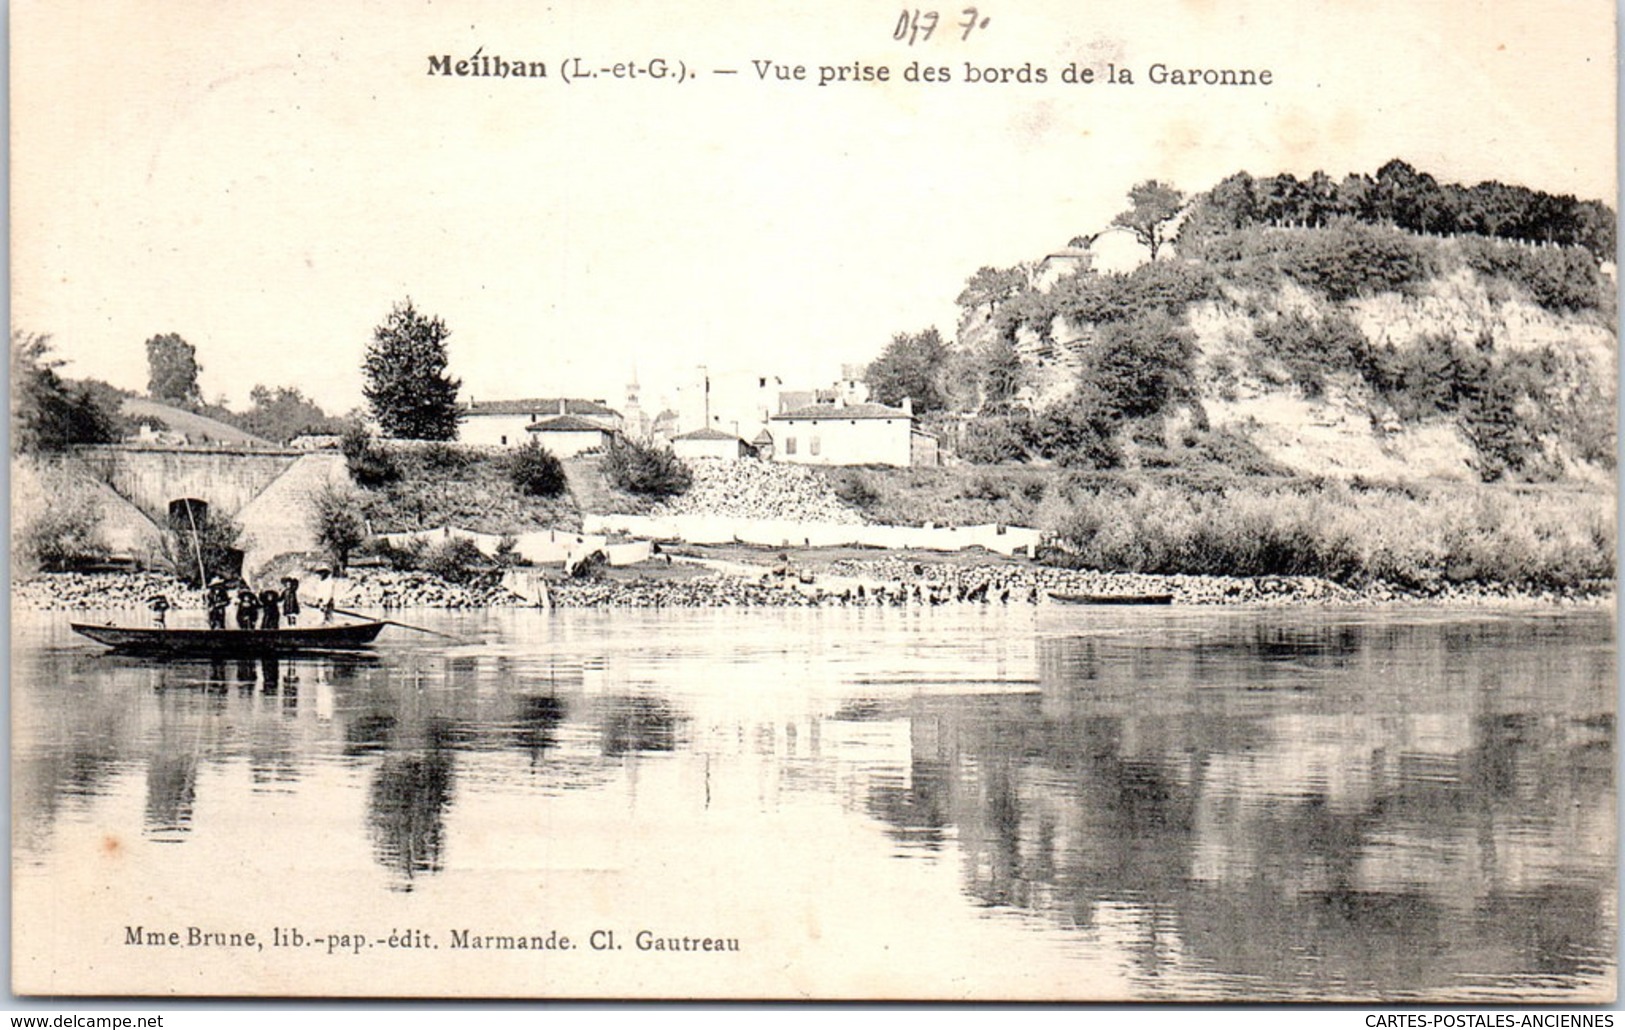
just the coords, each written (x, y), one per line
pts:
(233, 642)
(1113, 598)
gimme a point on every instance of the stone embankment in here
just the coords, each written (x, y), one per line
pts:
(888, 582)
(759, 490)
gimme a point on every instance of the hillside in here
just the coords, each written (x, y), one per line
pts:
(1334, 345)
(194, 427)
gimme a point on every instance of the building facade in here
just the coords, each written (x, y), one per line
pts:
(711, 443)
(506, 423)
(851, 434)
(568, 435)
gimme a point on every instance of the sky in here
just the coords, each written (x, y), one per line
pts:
(267, 180)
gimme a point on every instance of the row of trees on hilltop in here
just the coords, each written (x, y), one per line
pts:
(1401, 196)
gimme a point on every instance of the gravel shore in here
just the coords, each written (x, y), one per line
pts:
(882, 581)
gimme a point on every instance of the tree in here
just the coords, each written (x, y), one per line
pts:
(910, 366)
(48, 414)
(1152, 206)
(285, 413)
(1138, 367)
(411, 395)
(335, 518)
(172, 370)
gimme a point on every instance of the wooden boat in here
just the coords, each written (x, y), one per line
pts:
(1113, 598)
(348, 636)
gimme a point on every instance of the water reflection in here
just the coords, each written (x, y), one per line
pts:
(407, 802)
(1227, 805)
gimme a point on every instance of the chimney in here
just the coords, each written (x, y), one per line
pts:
(564, 406)
(908, 405)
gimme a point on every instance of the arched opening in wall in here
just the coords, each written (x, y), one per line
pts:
(201, 546)
(185, 512)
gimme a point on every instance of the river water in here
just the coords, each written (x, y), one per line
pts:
(946, 803)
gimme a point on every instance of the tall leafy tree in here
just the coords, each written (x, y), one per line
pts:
(910, 366)
(48, 414)
(411, 395)
(172, 370)
(1152, 208)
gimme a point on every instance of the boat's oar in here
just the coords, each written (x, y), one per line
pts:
(402, 625)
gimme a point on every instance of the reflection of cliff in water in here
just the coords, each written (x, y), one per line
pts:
(1230, 806)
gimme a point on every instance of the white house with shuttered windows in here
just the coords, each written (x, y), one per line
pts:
(851, 434)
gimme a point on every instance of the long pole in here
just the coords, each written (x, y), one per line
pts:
(402, 625)
(197, 547)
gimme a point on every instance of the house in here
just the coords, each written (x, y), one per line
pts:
(505, 423)
(569, 435)
(711, 443)
(852, 434)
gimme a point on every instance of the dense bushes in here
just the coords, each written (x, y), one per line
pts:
(1557, 278)
(1137, 368)
(1165, 286)
(59, 527)
(642, 469)
(202, 546)
(1311, 348)
(370, 463)
(1344, 261)
(536, 472)
(1531, 541)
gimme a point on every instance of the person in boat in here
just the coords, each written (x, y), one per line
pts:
(217, 600)
(160, 609)
(323, 593)
(248, 608)
(290, 601)
(270, 609)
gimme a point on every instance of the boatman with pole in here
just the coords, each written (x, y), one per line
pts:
(322, 595)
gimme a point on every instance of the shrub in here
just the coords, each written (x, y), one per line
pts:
(992, 439)
(1530, 541)
(1313, 348)
(336, 519)
(446, 457)
(1557, 278)
(64, 531)
(854, 490)
(643, 469)
(1077, 433)
(1137, 368)
(213, 541)
(536, 472)
(369, 462)
(401, 558)
(456, 560)
(1343, 261)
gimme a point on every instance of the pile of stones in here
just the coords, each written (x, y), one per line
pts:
(759, 490)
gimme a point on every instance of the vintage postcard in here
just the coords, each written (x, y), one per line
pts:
(1012, 500)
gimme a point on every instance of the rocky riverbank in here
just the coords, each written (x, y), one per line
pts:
(885, 581)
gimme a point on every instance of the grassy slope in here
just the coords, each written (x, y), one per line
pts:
(466, 488)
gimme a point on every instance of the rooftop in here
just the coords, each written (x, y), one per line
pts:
(837, 411)
(540, 406)
(706, 434)
(565, 424)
